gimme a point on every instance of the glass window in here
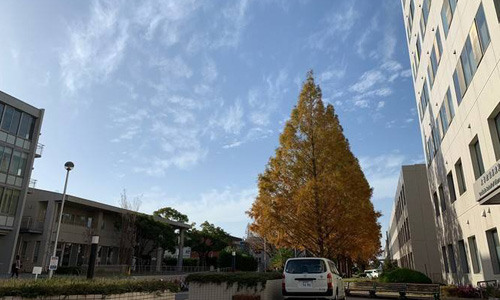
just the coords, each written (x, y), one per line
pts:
(477, 159)
(430, 73)
(474, 255)
(450, 111)
(311, 266)
(497, 8)
(451, 254)
(13, 202)
(438, 46)
(36, 252)
(26, 128)
(447, 14)
(462, 188)
(436, 204)
(459, 81)
(483, 28)
(464, 58)
(5, 155)
(10, 121)
(494, 245)
(7, 195)
(475, 54)
(2, 106)
(419, 50)
(445, 259)
(451, 187)
(412, 12)
(443, 199)
(464, 264)
(15, 163)
(436, 139)
(444, 121)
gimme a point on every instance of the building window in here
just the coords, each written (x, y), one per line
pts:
(10, 121)
(18, 163)
(464, 264)
(447, 14)
(451, 254)
(412, 13)
(497, 8)
(424, 99)
(437, 50)
(474, 255)
(443, 199)
(477, 158)
(451, 187)
(475, 46)
(445, 260)
(418, 46)
(26, 127)
(462, 187)
(495, 133)
(494, 245)
(24, 249)
(8, 205)
(36, 252)
(436, 204)
(5, 156)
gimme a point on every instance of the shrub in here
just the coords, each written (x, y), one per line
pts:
(464, 291)
(74, 286)
(243, 279)
(187, 262)
(404, 276)
(68, 271)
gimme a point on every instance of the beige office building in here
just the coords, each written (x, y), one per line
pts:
(412, 238)
(454, 51)
(20, 125)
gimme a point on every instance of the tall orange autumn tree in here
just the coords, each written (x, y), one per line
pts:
(313, 194)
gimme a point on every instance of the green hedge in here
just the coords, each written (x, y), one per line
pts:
(243, 279)
(69, 286)
(404, 276)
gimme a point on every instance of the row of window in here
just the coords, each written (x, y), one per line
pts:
(449, 258)
(404, 233)
(77, 220)
(400, 204)
(15, 122)
(475, 46)
(12, 162)
(407, 261)
(8, 201)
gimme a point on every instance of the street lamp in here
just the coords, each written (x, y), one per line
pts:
(68, 166)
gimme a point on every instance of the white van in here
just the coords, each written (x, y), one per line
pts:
(312, 278)
(372, 273)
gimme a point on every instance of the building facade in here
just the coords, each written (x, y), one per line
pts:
(412, 240)
(454, 49)
(20, 125)
(81, 220)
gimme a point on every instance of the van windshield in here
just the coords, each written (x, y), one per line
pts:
(300, 266)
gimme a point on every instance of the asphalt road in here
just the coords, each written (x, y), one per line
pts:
(184, 296)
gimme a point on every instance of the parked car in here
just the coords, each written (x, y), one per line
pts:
(372, 273)
(312, 278)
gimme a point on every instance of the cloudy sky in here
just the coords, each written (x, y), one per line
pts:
(182, 102)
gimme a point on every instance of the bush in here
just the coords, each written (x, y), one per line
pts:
(187, 262)
(464, 291)
(73, 286)
(404, 276)
(244, 262)
(243, 279)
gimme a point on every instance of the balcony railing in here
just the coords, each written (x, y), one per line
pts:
(28, 225)
(39, 150)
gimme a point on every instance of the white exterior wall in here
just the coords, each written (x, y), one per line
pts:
(463, 218)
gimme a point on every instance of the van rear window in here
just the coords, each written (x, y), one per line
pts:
(301, 266)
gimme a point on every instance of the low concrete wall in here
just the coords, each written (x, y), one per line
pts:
(126, 296)
(213, 291)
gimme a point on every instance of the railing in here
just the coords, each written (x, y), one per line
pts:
(39, 150)
(151, 269)
(32, 183)
(31, 226)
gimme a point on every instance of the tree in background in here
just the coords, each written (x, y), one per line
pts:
(207, 239)
(172, 214)
(127, 228)
(313, 194)
(152, 234)
(279, 259)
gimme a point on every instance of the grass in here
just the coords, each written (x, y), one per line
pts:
(78, 286)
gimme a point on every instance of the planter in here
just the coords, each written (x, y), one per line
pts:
(223, 291)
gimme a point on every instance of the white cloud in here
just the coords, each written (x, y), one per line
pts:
(382, 173)
(367, 80)
(406, 73)
(361, 103)
(232, 24)
(231, 121)
(380, 105)
(263, 101)
(94, 50)
(332, 74)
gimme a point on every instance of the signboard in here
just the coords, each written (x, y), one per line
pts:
(54, 262)
(488, 182)
(37, 271)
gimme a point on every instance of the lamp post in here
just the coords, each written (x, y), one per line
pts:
(234, 261)
(68, 166)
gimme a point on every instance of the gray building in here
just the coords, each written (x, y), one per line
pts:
(81, 220)
(412, 240)
(20, 125)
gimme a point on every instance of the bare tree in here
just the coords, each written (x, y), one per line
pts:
(127, 227)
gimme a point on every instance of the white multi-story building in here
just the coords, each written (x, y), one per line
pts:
(412, 240)
(454, 51)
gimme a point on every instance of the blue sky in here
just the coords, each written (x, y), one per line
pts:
(182, 102)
